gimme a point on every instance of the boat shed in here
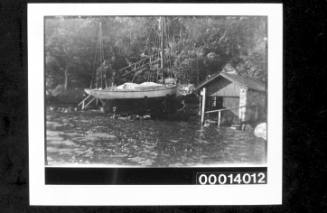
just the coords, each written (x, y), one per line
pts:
(237, 99)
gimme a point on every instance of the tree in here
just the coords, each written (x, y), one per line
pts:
(69, 43)
(195, 47)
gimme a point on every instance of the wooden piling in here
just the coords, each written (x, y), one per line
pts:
(219, 119)
(203, 95)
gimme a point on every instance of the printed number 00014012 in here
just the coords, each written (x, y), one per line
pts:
(231, 178)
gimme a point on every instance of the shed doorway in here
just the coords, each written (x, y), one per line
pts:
(229, 117)
(214, 102)
(223, 102)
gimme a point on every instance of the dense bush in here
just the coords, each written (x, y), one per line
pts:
(195, 47)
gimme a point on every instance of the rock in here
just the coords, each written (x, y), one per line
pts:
(124, 118)
(247, 128)
(261, 130)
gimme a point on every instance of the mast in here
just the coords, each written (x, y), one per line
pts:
(161, 28)
(103, 81)
(101, 43)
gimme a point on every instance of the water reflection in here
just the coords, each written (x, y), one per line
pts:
(92, 137)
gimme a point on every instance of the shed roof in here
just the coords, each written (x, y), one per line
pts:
(242, 81)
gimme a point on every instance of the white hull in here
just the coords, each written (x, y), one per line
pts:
(110, 94)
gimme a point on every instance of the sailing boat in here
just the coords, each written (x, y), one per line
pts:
(137, 91)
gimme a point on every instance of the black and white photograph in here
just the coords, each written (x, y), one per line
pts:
(158, 89)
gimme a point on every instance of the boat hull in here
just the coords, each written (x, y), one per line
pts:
(109, 94)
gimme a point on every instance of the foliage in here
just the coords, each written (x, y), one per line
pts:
(195, 47)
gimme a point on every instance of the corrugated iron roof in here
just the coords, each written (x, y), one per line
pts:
(243, 81)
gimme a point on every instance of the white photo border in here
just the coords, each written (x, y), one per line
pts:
(133, 195)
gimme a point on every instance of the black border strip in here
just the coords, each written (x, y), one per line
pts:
(136, 176)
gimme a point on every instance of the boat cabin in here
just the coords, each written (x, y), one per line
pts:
(236, 99)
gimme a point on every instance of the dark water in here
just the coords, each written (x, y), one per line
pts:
(92, 137)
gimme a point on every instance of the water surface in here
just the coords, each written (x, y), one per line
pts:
(95, 138)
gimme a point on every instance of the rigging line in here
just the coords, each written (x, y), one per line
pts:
(93, 67)
(102, 60)
(168, 38)
(101, 44)
(166, 34)
(97, 63)
(94, 64)
(158, 48)
(100, 52)
(169, 54)
(162, 48)
(152, 58)
(157, 43)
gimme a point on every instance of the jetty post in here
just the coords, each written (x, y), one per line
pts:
(203, 104)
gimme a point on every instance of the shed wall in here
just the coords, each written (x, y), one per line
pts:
(257, 106)
(231, 103)
(245, 104)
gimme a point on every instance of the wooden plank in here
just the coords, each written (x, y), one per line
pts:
(217, 110)
(82, 102)
(89, 102)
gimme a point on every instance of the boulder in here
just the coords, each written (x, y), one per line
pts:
(247, 128)
(261, 130)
